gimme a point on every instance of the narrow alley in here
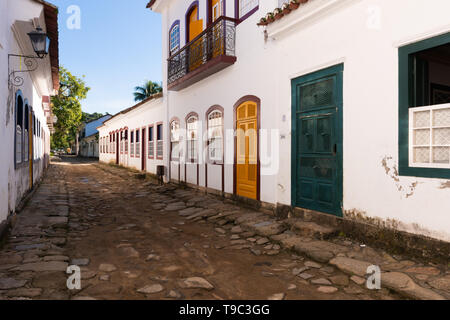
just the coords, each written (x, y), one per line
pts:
(134, 239)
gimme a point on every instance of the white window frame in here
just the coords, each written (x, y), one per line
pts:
(213, 144)
(174, 41)
(160, 142)
(151, 142)
(175, 140)
(132, 139)
(431, 128)
(192, 139)
(137, 142)
(245, 6)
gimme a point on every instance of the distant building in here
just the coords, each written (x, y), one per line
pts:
(87, 138)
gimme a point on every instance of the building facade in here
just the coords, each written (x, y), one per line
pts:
(135, 137)
(88, 138)
(26, 85)
(338, 106)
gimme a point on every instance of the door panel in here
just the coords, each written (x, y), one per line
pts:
(247, 150)
(317, 160)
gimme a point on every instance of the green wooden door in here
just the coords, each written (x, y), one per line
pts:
(317, 141)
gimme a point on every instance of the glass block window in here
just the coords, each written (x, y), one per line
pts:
(174, 39)
(215, 132)
(159, 142)
(430, 136)
(151, 143)
(245, 6)
(192, 138)
(175, 140)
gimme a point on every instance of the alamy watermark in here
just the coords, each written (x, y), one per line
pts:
(74, 280)
(373, 278)
(73, 22)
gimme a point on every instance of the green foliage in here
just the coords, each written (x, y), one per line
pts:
(148, 89)
(67, 108)
(88, 117)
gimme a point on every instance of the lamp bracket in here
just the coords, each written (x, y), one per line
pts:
(29, 64)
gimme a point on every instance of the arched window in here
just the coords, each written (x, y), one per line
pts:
(26, 138)
(175, 140)
(194, 25)
(215, 136)
(19, 127)
(192, 138)
(174, 37)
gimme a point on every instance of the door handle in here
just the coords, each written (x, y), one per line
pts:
(334, 149)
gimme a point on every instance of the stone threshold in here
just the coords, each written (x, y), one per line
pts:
(394, 241)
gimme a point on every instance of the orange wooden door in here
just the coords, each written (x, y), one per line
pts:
(195, 24)
(196, 48)
(217, 43)
(216, 9)
(247, 150)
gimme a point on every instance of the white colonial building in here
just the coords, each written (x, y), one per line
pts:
(26, 84)
(337, 106)
(135, 137)
(88, 141)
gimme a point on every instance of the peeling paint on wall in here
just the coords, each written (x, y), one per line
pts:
(445, 185)
(390, 167)
(361, 216)
(9, 106)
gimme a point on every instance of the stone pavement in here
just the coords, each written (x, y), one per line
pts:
(136, 240)
(34, 259)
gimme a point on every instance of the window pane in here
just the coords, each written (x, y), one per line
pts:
(245, 6)
(159, 132)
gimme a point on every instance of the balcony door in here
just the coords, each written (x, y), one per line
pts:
(195, 27)
(216, 9)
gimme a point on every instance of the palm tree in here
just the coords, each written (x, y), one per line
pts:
(148, 89)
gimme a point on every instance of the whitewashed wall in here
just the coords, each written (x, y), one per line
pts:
(345, 32)
(15, 183)
(147, 114)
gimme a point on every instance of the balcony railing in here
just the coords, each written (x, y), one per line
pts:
(211, 51)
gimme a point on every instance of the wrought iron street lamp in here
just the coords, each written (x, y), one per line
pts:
(41, 44)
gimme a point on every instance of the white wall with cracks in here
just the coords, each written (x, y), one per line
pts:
(16, 18)
(365, 36)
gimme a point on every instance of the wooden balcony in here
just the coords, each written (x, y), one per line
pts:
(211, 51)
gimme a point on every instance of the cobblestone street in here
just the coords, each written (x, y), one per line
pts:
(136, 240)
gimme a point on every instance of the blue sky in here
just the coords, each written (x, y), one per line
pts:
(117, 48)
